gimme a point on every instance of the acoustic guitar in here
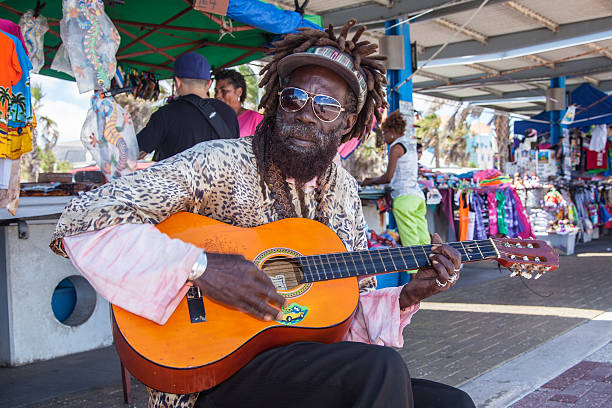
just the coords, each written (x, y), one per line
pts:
(204, 342)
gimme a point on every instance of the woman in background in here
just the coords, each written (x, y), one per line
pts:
(409, 208)
(230, 87)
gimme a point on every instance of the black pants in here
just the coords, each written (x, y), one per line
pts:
(314, 375)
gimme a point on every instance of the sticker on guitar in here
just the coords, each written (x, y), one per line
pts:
(293, 314)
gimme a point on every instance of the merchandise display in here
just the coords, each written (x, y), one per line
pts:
(34, 26)
(108, 133)
(16, 116)
(91, 41)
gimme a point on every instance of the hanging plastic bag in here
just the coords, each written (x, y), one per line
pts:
(91, 40)
(61, 62)
(33, 30)
(108, 134)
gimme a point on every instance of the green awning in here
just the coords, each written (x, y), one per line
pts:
(154, 32)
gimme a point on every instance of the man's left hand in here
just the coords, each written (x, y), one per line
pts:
(442, 275)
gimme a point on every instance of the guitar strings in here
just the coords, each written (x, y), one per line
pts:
(388, 256)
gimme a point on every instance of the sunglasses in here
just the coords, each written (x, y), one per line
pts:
(325, 108)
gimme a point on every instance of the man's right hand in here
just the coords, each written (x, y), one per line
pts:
(236, 282)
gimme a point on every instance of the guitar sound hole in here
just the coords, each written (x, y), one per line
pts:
(285, 273)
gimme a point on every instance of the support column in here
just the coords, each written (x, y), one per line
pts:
(556, 128)
(397, 76)
(402, 99)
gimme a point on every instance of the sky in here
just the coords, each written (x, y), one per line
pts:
(63, 104)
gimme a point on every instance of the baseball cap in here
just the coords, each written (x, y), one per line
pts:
(331, 58)
(191, 65)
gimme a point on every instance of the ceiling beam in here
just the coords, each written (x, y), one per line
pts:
(375, 14)
(490, 90)
(571, 69)
(473, 34)
(143, 42)
(484, 68)
(591, 80)
(154, 30)
(533, 15)
(539, 60)
(604, 86)
(520, 43)
(433, 76)
(605, 51)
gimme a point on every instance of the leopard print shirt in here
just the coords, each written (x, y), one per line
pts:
(218, 179)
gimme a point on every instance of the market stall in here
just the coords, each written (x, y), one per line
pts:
(108, 47)
(567, 186)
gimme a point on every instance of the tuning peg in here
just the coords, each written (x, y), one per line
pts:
(526, 274)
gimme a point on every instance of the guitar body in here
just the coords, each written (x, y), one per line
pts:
(184, 356)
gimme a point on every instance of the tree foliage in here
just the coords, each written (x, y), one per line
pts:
(251, 80)
(44, 138)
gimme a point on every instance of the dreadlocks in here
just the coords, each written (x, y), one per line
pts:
(395, 123)
(363, 60)
(361, 52)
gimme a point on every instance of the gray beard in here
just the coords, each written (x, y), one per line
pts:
(303, 163)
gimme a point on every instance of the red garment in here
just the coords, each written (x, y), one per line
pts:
(464, 217)
(597, 160)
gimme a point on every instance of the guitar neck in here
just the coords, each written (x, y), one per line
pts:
(369, 262)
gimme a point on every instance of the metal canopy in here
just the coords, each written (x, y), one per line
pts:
(504, 58)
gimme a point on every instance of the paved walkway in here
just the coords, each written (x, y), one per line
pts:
(588, 384)
(506, 341)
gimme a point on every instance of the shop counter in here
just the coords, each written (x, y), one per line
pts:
(374, 219)
(47, 309)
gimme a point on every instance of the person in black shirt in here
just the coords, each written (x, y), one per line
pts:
(192, 117)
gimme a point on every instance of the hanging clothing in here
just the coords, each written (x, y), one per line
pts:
(464, 217)
(526, 231)
(10, 74)
(492, 205)
(599, 137)
(5, 173)
(477, 205)
(501, 213)
(11, 28)
(34, 29)
(18, 138)
(447, 206)
(597, 161)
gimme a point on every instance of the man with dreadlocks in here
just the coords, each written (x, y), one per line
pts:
(320, 90)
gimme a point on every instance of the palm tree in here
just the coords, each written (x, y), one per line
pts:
(18, 104)
(46, 129)
(5, 100)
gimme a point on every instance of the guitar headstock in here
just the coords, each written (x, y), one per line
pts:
(527, 257)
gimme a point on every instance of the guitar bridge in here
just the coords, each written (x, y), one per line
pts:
(195, 304)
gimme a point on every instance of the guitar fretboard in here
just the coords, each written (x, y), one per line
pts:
(368, 262)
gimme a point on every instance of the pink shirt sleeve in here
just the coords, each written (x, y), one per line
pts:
(135, 266)
(379, 319)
